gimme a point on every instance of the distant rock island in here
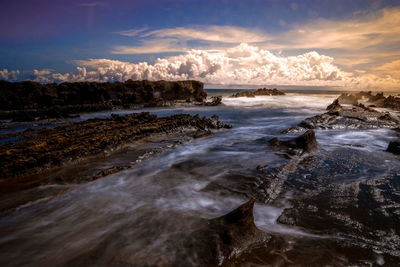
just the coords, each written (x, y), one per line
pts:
(259, 92)
(27, 101)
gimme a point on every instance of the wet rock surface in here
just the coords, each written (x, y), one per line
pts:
(334, 198)
(215, 241)
(301, 144)
(34, 151)
(352, 216)
(259, 92)
(27, 101)
(356, 116)
(222, 239)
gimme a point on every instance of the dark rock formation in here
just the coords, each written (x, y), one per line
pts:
(394, 147)
(259, 92)
(301, 144)
(334, 107)
(392, 102)
(378, 100)
(36, 150)
(353, 117)
(333, 199)
(222, 238)
(25, 101)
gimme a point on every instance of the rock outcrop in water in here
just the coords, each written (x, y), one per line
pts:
(259, 92)
(25, 101)
(34, 151)
(348, 117)
(222, 238)
(299, 145)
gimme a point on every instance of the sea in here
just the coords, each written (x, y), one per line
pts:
(135, 215)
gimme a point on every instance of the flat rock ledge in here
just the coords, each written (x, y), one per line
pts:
(34, 151)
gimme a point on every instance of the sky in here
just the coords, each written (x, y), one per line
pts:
(352, 44)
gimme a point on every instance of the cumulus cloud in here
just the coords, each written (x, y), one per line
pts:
(243, 64)
(366, 41)
(9, 75)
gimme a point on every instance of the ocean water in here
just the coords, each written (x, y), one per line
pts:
(138, 215)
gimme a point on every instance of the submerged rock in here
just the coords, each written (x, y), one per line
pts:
(259, 92)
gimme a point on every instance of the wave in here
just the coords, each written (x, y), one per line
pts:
(288, 101)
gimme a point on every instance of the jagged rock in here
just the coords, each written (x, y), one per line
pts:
(303, 143)
(394, 147)
(362, 94)
(392, 102)
(222, 238)
(334, 107)
(354, 117)
(376, 98)
(259, 92)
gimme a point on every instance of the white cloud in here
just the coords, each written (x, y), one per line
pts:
(176, 39)
(243, 64)
(365, 42)
(9, 75)
(152, 47)
(132, 32)
(376, 29)
(223, 34)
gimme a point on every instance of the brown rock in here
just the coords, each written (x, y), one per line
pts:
(259, 92)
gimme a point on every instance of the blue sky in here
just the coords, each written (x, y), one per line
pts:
(56, 37)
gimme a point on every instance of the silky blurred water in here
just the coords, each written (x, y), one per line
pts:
(141, 213)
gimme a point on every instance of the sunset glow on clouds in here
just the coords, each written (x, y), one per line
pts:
(358, 52)
(241, 65)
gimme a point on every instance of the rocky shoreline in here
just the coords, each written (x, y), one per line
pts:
(347, 113)
(30, 101)
(24, 155)
(350, 215)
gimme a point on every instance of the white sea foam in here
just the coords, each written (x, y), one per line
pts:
(370, 140)
(290, 100)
